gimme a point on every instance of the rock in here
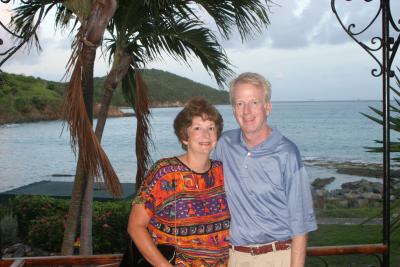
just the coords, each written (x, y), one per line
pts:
(21, 250)
(363, 186)
(320, 192)
(320, 183)
(370, 195)
(336, 193)
(354, 168)
(13, 248)
(351, 195)
(112, 112)
(40, 252)
(16, 250)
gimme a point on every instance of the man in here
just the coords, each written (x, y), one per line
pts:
(266, 184)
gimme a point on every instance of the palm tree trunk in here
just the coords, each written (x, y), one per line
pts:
(121, 64)
(74, 212)
(119, 70)
(97, 24)
(79, 200)
(86, 246)
(102, 12)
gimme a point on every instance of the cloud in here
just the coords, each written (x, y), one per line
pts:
(297, 24)
(301, 5)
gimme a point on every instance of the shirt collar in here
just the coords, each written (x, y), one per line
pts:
(272, 140)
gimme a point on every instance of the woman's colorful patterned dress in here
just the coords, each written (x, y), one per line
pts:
(188, 210)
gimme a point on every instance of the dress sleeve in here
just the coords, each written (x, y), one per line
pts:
(146, 193)
(298, 191)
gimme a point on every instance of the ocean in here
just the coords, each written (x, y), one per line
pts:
(323, 131)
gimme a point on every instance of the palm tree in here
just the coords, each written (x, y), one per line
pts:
(94, 17)
(173, 28)
(170, 26)
(177, 30)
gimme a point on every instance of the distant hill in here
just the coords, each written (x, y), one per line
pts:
(168, 89)
(26, 98)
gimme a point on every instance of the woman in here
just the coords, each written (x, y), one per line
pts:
(182, 201)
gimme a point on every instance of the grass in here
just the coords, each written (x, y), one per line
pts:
(348, 213)
(337, 235)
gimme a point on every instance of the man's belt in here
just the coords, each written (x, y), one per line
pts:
(257, 250)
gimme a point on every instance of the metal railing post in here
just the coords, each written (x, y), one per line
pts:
(388, 45)
(386, 128)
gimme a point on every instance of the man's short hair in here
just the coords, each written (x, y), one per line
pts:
(254, 79)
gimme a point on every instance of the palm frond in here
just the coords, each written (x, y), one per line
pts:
(377, 120)
(181, 39)
(26, 19)
(135, 92)
(394, 148)
(94, 159)
(249, 17)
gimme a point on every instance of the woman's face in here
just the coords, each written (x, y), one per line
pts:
(202, 136)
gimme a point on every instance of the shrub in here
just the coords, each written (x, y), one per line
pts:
(23, 105)
(8, 229)
(41, 223)
(51, 86)
(39, 102)
(29, 208)
(110, 221)
(47, 233)
(6, 105)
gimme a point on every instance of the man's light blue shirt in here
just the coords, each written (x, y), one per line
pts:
(267, 188)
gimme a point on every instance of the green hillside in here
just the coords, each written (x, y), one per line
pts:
(167, 89)
(26, 98)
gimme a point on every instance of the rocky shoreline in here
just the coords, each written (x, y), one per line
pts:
(355, 194)
(373, 170)
(49, 114)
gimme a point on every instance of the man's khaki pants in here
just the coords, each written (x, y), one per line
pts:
(280, 258)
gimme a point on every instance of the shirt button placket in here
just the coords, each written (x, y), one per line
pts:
(246, 160)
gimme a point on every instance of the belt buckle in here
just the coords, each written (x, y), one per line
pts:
(252, 252)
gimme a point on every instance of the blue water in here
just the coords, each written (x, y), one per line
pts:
(325, 131)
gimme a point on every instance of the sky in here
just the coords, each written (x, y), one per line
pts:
(304, 52)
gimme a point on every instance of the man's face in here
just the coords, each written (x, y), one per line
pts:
(250, 108)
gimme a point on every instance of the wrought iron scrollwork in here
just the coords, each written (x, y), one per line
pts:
(22, 1)
(377, 42)
(388, 45)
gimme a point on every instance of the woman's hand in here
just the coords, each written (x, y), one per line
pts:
(137, 229)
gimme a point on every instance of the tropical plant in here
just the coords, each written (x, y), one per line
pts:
(394, 146)
(140, 32)
(93, 17)
(172, 27)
